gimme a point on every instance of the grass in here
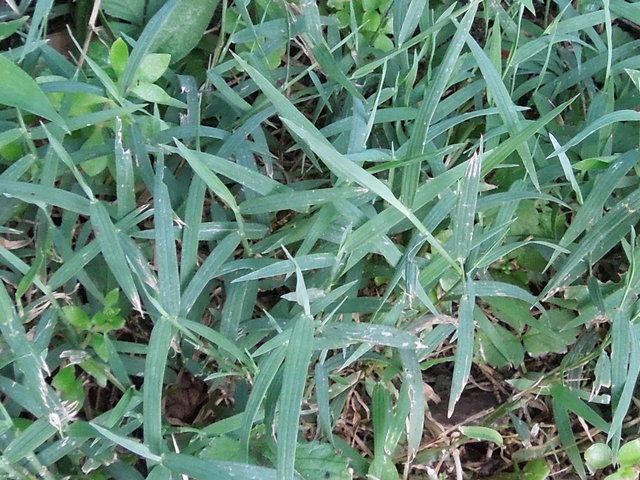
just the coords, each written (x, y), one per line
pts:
(319, 240)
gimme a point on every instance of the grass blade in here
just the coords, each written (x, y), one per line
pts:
(267, 370)
(601, 122)
(155, 365)
(43, 195)
(166, 256)
(21, 91)
(435, 89)
(209, 269)
(622, 407)
(415, 421)
(111, 248)
(190, 236)
(125, 190)
(466, 208)
(132, 445)
(298, 356)
(205, 469)
(507, 108)
(563, 423)
(464, 349)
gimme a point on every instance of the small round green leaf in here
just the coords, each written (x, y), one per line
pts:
(111, 298)
(103, 322)
(384, 43)
(383, 469)
(150, 92)
(597, 456)
(153, 67)
(119, 56)
(537, 469)
(625, 473)
(629, 454)
(371, 21)
(76, 317)
(100, 347)
(370, 5)
(69, 386)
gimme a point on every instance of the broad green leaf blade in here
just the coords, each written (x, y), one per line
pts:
(205, 469)
(298, 201)
(125, 181)
(183, 27)
(565, 431)
(380, 415)
(620, 348)
(155, 365)
(287, 267)
(166, 256)
(43, 195)
(214, 337)
(572, 402)
(267, 370)
(567, 169)
(466, 209)
(321, 460)
(410, 18)
(415, 420)
(68, 161)
(322, 397)
(342, 334)
(132, 445)
(626, 396)
(238, 173)
(488, 288)
(238, 306)
(464, 348)
(193, 221)
(29, 440)
(21, 91)
(209, 270)
(296, 364)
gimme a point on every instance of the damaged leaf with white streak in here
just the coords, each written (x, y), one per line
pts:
(468, 190)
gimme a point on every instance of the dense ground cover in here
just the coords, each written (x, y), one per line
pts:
(319, 240)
